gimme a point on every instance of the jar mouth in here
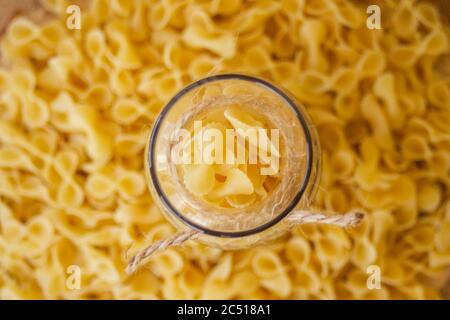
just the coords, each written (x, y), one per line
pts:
(151, 161)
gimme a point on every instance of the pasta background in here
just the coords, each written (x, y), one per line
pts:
(76, 107)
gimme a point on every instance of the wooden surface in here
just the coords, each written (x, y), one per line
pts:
(11, 8)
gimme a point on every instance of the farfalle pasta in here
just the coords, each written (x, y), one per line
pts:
(218, 174)
(76, 107)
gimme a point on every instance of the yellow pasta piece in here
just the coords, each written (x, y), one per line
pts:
(191, 281)
(267, 264)
(22, 31)
(435, 43)
(314, 33)
(371, 110)
(99, 186)
(427, 15)
(241, 200)
(100, 265)
(122, 83)
(221, 43)
(404, 21)
(415, 147)
(225, 7)
(159, 15)
(345, 80)
(347, 14)
(126, 111)
(385, 90)
(202, 67)
(371, 64)
(199, 179)
(236, 183)
(257, 59)
(167, 263)
(130, 184)
(95, 44)
(307, 280)
(279, 285)
(51, 33)
(364, 253)
(439, 94)
(298, 251)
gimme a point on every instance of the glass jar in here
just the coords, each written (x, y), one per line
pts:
(299, 166)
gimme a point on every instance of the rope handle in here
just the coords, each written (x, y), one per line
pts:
(175, 240)
(299, 217)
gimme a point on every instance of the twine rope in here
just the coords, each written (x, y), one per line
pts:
(176, 240)
(298, 217)
(348, 220)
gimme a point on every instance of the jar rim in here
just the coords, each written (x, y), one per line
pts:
(180, 216)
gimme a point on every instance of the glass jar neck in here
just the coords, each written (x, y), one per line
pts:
(255, 96)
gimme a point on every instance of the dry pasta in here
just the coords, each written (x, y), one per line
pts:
(76, 107)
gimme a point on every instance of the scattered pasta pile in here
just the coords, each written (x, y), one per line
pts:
(76, 107)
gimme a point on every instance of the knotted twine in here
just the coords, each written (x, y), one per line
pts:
(296, 218)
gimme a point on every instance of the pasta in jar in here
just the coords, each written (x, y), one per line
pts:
(230, 155)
